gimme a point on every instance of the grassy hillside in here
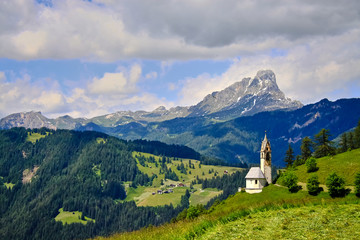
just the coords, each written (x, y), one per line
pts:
(307, 222)
(345, 164)
(143, 196)
(276, 205)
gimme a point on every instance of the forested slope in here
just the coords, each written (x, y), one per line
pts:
(42, 171)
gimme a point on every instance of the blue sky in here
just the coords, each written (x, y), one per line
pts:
(87, 58)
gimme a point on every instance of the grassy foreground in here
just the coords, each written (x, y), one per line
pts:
(308, 222)
(277, 202)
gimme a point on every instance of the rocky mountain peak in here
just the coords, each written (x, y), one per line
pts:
(160, 109)
(243, 98)
(26, 119)
(266, 75)
(246, 97)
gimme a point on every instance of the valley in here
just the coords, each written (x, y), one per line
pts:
(86, 184)
(191, 171)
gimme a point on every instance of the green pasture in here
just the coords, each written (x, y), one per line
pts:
(345, 164)
(71, 217)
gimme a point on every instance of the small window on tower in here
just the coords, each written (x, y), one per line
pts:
(255, 181)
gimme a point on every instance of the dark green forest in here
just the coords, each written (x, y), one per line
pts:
(76, 171)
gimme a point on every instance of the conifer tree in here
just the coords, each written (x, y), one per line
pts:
(306, 145)
(357, 136)
(289, 158)
(344, 143)
(323, 146)
(351, 140)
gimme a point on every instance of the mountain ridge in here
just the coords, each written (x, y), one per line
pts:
(243, 98)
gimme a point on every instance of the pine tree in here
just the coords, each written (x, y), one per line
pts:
(289, 158)
(344, 143)
(305, 147)
(351, 140)
(357, 136)
(323, 144)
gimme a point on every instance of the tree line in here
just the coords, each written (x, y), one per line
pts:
(322, 146)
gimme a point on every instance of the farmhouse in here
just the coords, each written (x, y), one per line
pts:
(259, 177)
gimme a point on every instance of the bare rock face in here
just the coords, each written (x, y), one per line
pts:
(27, 120)
(244, 98)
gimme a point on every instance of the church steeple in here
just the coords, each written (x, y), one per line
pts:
(265, 159)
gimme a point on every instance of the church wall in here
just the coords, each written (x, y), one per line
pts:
(255, 183)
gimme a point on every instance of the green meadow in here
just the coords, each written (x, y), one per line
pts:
(345, 164)
(33, 137)
(143, 196)
(272, 214)
(71, 217)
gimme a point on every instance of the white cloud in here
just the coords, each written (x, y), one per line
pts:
(113, 92)
(320, 41)
(24, 94)
(116, 83)
(166, 29)
(151, 75)
(111, 83)
(308, 72)
(49, 101)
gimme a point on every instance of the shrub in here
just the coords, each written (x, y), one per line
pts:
(194, 211)
(313, 185)
(311, 165)
(336, 185)
(357, 184)
(290, 180)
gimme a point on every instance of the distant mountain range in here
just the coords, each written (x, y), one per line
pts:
(228, 124)
(244, 98)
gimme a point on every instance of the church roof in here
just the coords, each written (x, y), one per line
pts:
(255, 172)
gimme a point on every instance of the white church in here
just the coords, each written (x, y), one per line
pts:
(259, 177)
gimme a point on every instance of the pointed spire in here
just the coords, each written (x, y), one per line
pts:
(265, 138)
(264, 143)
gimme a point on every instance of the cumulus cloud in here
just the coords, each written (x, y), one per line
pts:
(24, 94)
(165, 29)
(307, 72)
(312, 46)
(116, 83)
(110, 93)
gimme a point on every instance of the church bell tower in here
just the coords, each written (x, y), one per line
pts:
(265, 159)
